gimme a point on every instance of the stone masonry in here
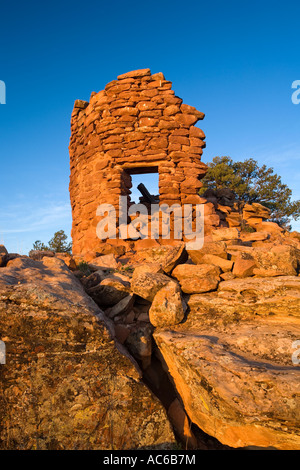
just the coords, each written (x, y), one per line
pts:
(135, 125)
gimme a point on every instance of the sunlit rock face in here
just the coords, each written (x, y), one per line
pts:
(65, 385)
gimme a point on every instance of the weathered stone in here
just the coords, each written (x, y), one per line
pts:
(146, 284)
(121, 332)
(224, 264)
(255, 236)
(135, 74)
(244, 265)
(108, 293)
(130, 124)
(93, 279)
(38, 255)
(209, 248)
(104, 261)
(270, 227)
(122, 307)
(68, 259)
(225, 234)
(64, 375)
(231, 362)
(197, 278)
(176, 255)
(108, 249)
(167, 307)
(255, 210)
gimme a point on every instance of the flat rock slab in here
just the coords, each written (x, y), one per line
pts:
(231, 362)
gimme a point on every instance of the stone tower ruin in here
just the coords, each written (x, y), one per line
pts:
(135, 125)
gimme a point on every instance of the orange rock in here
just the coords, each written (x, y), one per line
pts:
(197, 278)
(167, 307)
(135, 74)
(243, 266)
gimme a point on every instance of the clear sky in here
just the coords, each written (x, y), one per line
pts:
(233, 60)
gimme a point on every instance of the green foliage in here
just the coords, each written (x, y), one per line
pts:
(58, 243)
(251, 183)
(39, 246)
(84, 268)
(247, 228)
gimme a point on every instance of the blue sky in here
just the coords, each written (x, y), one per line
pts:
(235, 61)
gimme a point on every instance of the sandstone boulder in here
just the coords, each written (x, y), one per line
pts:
(270, 227)
(104, 262)
(224, 264)
(65, 385)
(244, 265)
(231, 362)
(209, 248)
(271, 259)
(38, 255)
(146, 285)
(109, 249)
(153, 268)
(176, 255)
(68, 259)
(122, 307)
(224, 234)
(167, 307)
(109, 292)
(197, 278)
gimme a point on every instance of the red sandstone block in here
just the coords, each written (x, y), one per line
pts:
(153, 113)
(113, 138)
(180, 131)
(118, 104)
(156, 83)
(168, 99)
(135, 74)
(196, 132)
(193, 150)
(174, 147)
(149, 122)
(101, 164)
(126, 118)
(178, 139)
(145, 105)
(134, 136)
(158, 142)
(125, 110)
(171, 110)
(185, 108)
(186, 119)
(196, 142)
(164, 124)
(158, 76)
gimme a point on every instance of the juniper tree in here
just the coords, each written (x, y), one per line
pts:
(252, 183)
